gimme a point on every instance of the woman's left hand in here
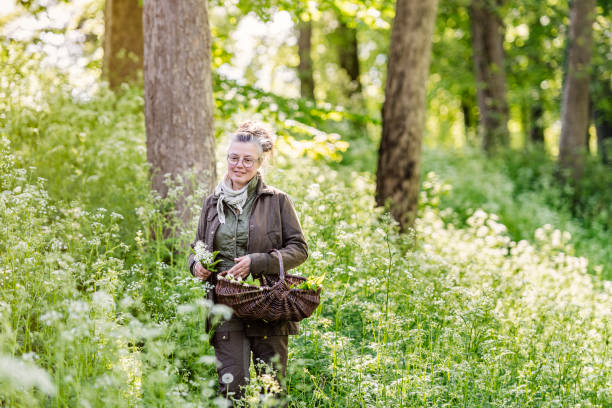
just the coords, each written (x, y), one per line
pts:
(242, 268)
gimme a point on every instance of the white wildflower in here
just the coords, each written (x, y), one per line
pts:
(50, 317)
(103, 300)
(314, 191)
(223, 310)
(115, 215)
(26, 375)
(77, 308)
(208, 286)
(31, 356)
(185, 309)
(202, 254)
(207, 360)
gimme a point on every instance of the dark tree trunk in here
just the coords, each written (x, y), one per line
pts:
(123, 41)
(537, 127)
(305, 67)
(587, 136)
(348, 54)
(603, 124)
(465, 109)
(403, 112)
(575, 106)
(178, 95)
(467, 103)
(488, 49)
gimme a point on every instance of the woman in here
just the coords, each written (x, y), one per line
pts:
(243, 219)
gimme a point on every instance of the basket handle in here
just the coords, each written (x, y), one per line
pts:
(280, 262)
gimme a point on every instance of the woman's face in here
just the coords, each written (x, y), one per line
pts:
(243, 155)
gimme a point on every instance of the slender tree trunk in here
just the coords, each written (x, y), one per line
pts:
(403, 112)
(603, 124)
(305, 66)
(587, 136)
(178, 95)
(575, 106)
(467, 103)
(467, 121)
(348, 54)
(123, 41)
(537, 129)
(488, 48)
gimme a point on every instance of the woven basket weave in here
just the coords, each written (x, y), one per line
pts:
(271, 301)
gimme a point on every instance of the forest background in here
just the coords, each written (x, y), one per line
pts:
(494, 292)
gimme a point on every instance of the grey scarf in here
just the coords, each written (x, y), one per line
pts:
(233, 198)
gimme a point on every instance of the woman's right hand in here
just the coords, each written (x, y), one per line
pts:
(201, 272)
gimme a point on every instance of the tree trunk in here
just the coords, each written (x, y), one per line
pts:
(403, 112)
(603, 123)
(305, 66)
(488, 48)
(178, 95)
(537, 128)
(467, 103)
(348, 54)
(587, 135)
(575, 106)
(123, 42)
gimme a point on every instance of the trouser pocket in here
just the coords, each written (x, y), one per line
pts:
(233, 353)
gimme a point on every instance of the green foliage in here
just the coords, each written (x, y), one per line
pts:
(458, 317)
(311, 128)
(535, 40)
(83, 322)
(311, 283)
(92, 313)
(523, 190)
(489, 302)
(252, 281)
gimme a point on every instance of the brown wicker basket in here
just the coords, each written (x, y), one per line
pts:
(271, 301)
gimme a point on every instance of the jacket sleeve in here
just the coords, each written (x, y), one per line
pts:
(201, 230)
(294, 248)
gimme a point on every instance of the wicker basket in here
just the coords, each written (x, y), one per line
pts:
(271, 301)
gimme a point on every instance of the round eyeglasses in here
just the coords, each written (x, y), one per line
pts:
(247, 162)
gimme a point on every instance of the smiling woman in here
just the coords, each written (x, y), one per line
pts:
(243, 219)
(244, 160)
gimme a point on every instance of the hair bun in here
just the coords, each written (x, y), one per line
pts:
(260, 131)
(257, 129)
(266, 144)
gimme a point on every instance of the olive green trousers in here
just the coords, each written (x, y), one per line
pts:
(233, 352)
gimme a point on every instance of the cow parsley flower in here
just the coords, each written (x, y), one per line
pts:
(204, 256)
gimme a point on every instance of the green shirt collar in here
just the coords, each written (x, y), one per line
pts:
(253, 184)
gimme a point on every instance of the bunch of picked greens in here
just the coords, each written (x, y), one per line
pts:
(249, 281)
(312, 283)
(204, 256)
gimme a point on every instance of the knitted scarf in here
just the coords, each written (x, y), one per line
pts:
(233, 198)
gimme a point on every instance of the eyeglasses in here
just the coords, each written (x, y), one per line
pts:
(247, 162)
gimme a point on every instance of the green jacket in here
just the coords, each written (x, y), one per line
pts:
(273, 223)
